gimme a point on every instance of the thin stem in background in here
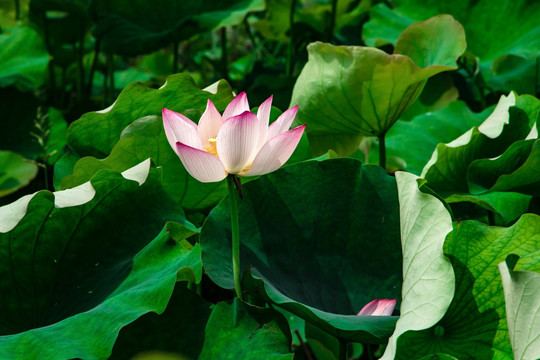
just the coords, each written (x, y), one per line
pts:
(304, 346)
(62, 90)
(536, 76)
(110, 75)
(17, 10)
(249, 33)
(48, 46)
(224, 55)
(235, 229)
(330, 33)
(290, 50)
(343, 350)
(176, 45)
(369, 351)
(80, 68)
(93, 68)
(382, 151)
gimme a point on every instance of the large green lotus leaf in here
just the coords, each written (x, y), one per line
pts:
(145, 138)
(505, 206)
(345, 92)
(96, 133)
(129, 28)
(317, 248)
(254, 333)
(55, 141)
(439, 40)
(15, 172)
(475, 326)
(64, 167)
(494, 29)
(522, 295)
(24, 59)
(446, 171)
(322, 250)
(79, 264)
(517, 170)
(428, 278)
(179, 329)
(415, 140)
(19, 111)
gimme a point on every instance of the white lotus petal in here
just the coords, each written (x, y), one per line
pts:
(237, 141)
(200, 164)
(179, 128)
(236, 107)
(209, 123)
(275, 152)
(283, 122)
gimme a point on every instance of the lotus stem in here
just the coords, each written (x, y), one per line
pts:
(17, 10)
(79, 49)
(332, 21)
(224, 55)
(290, 49)
(343, 350)
(382, 151)
(235, 229)
(369, 351)
(93, 68)
(110, 73)
(176, 45)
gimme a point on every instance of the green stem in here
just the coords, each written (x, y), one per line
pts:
(382, 151)
(343, 350)
(369, 351)
(330, 33)
(17, 10)
(79, 46)
(176, 45)
(48, 46)
(288, 70)
(235, 229)
(110, 73)
(93, 68)
(224, 60)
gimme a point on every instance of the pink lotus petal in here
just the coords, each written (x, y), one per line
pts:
(379, 307)
(209, 123)
(237, 141)
(179, 128)
(275, 152)
(200, 164)
(237, 106)
(263, 114)
(283, 122)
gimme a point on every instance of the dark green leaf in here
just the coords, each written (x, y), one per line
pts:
(23, 59)
(243, 331)
(96, 133)
(145, 138)
(67, 297)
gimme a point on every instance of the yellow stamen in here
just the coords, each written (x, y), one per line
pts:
(212, 149)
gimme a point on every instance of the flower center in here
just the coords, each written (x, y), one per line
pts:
(212, 149)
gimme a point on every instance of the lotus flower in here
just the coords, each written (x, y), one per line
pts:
(237, 142)
(379, 307)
